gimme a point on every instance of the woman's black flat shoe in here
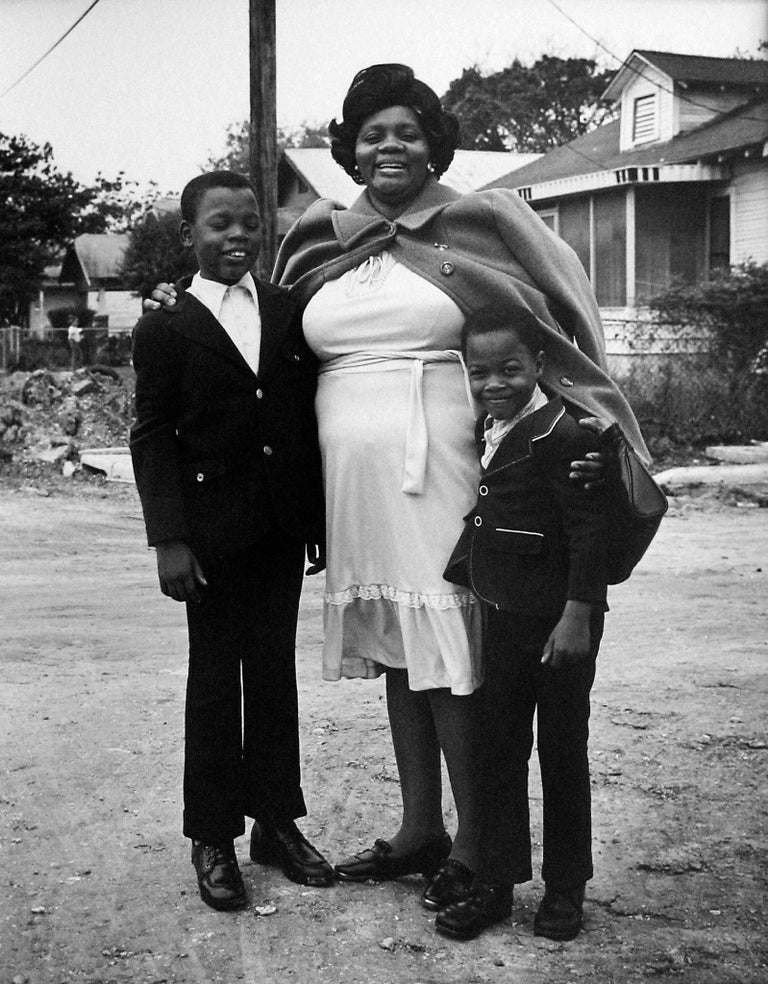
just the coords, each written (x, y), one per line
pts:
(452, 883)
(377, 863)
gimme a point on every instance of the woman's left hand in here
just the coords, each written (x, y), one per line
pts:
(590, 471)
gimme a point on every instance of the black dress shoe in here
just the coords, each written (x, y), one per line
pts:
(560, 913)
(218, 876)
(377, 863)
(486, 905)
(452, 883)
(287, 848)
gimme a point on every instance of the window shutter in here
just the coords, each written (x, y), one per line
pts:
(644, 122)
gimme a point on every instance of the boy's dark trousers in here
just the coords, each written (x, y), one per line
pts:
(244, 627)
(516, 684)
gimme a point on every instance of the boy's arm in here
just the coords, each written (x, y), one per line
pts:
(153, 441)
(585, 528)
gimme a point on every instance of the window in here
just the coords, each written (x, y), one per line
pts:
(644, 119)
(549, 217)
(720, 233)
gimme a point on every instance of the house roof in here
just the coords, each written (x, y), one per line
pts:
(470, 170)
(742, 128)
(691, 69)
(96, 257)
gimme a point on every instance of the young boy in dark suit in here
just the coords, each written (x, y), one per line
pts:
(227, 466)
(534, 552)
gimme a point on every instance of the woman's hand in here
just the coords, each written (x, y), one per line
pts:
(164, 295)
(591, 469)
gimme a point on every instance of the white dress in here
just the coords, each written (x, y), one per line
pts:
(400, 469)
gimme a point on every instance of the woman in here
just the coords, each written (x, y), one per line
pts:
(387, 284)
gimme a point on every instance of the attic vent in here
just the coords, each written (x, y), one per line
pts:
(644, 119)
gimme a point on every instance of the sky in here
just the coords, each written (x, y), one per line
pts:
(148, 87)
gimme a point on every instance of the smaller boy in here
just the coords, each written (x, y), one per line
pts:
(227, 466)
(534, 552)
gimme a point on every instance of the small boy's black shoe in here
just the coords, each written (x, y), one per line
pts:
(378, 864)
(286, 847)
(452, 883)
(560, 914)
(485, 905)
(218, 876)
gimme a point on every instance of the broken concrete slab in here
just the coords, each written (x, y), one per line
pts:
(114, 463)
(733, 475)
(740, 454)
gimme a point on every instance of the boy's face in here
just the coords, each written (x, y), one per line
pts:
(225, 233)
(503, 373)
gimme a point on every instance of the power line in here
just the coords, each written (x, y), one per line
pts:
(639, 72)
(45, 55)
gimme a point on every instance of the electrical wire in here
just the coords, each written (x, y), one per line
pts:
(53, 46)
(639, 72)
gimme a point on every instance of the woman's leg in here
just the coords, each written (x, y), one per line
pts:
(417, 753)
(457, 726)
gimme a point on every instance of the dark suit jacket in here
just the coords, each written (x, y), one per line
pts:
(222, 457)
(535, 539)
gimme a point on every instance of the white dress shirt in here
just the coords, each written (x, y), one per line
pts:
(236, 309)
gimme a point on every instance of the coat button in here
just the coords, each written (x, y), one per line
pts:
(200, 477)
(267, 449)
(296, 358)
(446, 269)
(478, 521)
(259, 394)
(566, 381)
(483, 490)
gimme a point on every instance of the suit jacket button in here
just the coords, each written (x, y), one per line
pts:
(446, 269)
(296, 358)
(483, 490)
(566, 381)
(259, 394)
(200, 477)
(267, 449)
(478, 521)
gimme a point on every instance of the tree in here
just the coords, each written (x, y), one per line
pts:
(155, 253)
(528, 109)
(42, 210)
(237, 144)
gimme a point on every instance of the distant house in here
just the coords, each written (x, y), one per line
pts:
(91, 268)
(304, 175)
(675, 187)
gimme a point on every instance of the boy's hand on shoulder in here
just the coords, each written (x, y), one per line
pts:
(181, 577)
(569, 641)
(163, 296)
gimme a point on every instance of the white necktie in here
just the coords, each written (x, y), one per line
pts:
(240, 319)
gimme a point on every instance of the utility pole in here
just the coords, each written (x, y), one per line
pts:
(263, 128)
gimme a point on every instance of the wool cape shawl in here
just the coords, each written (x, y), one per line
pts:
(484, 248)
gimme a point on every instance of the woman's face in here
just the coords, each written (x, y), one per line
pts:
(392, 153)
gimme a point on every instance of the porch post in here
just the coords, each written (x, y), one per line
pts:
(631, 292)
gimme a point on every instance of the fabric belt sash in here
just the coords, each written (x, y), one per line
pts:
(416, 438)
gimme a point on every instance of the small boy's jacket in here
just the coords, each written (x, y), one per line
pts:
(536, 538)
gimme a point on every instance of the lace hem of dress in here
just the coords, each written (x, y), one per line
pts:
(410, 599)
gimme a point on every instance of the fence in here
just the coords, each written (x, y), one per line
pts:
(21, 350)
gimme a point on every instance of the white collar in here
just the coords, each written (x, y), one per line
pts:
(211, 292)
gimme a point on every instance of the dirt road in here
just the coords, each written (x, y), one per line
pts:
(97, 887)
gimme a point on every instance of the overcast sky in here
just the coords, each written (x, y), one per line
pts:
(149, 86)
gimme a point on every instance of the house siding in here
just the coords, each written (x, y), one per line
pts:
(749, 237)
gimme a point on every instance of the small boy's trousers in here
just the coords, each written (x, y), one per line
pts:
(516, 684)
(242, 646)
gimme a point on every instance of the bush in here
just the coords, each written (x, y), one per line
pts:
(718, 396)
(689, 400)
